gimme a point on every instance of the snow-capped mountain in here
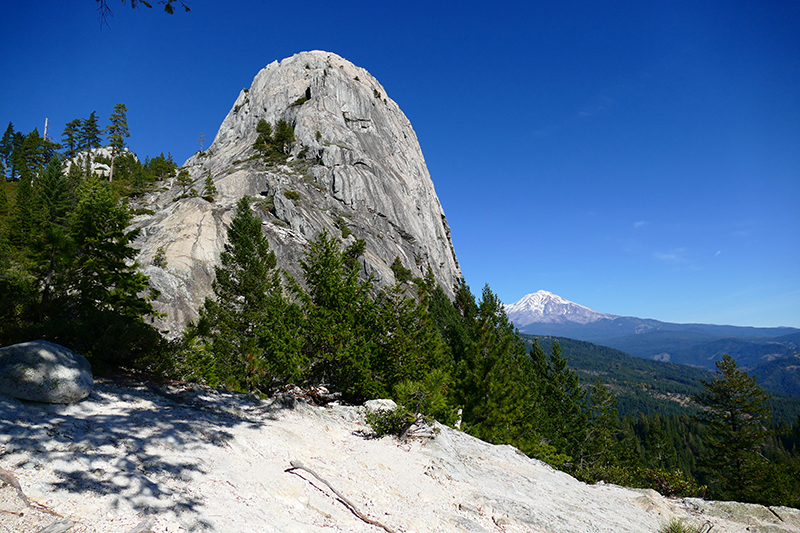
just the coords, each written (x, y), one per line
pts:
(548, 308)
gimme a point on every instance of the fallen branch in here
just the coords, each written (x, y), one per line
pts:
(297, 465)
(9, 478)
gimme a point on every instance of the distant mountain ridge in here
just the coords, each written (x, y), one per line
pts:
(772, 354)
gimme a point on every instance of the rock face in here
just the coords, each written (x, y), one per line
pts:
(133, 458)
(42, 371)
(356, 170)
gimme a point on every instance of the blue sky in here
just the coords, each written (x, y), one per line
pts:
(640, 158)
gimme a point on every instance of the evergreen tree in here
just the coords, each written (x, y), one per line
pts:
(341, 327)
(33, 155)
(89, 134)
(103, 298)
(603, 453)
(495, 382)
(17, 158)
(563, 401)
(411, 346)
(735, 416)
(71, 138)
(116, 132)
(6, 148)
(55, 200)
(284, 136)
(209, 189)
(249, 326)
(89, 138)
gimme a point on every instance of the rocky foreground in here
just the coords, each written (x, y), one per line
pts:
(134, 457)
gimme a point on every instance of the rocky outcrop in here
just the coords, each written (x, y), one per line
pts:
(41, 371)
(356, 170)
(134, 456)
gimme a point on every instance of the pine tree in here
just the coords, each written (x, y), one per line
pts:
(563, 401)
(736, 416)
(495, 382)
(603, 454)
(209, 189)
(249, 325)
(89, 138)
(55, 199)
(341, 327)
(103, 298)
(32, 155)
(284, 136)
(17, 157)
(6, 148)
(71, 138)
(116, 132)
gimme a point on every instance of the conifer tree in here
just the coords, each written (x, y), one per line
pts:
(601, 451)
(102, 295)
(70, 138)
(736, 416)
(495, 383)
(249, 325)
(341, 327)
(89, 138)
(116, 132)
(563, 402)
(6, 148)
(284, 136)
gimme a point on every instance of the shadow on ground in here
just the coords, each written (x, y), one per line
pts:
(138, 443)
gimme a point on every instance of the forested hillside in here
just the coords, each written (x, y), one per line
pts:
(66, 275)
(650, 387)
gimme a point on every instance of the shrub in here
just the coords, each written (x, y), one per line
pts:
(292, 195)
(342, 225)
(678, 526)
(390, 421)
(160, 259)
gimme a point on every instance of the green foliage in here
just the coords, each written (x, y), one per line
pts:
(672, 484)
(209, 189)
(247, 338)
(341, 223)
(160, 257)
(292, 195)
(675, 525)
(736, 416)
(69, 274)
(284, 136)
(563, 401)
(390, 421)
(401, 273)
(429, 396)
(274, 143)
(340, 329)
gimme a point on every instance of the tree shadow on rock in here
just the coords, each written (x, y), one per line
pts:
(134, 442)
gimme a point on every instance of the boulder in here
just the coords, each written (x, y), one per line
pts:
(42, 371)
(380, 405)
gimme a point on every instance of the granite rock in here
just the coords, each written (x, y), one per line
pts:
(355, 171)
(42, 371)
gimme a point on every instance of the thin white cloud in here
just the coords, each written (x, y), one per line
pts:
(640, 223)
(673, 256)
